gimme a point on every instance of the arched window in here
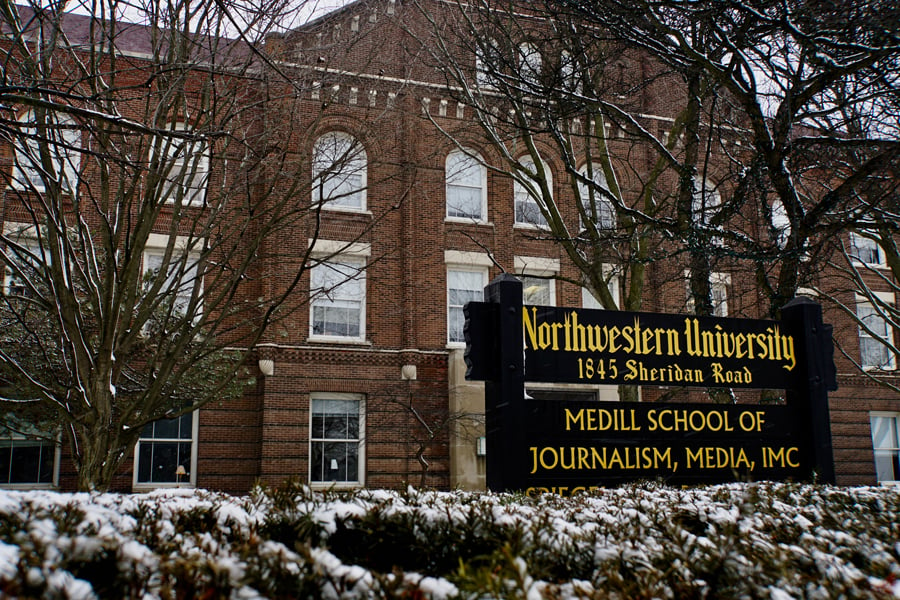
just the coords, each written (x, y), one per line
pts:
(466, 190)
(595, 198)
(339, 172)
(526, 193)
(60, 139)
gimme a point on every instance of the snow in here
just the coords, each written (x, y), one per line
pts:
(776, 541)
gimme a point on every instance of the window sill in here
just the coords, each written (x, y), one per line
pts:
(465, 221)
(28, 486)
(346, 210)
(530, 227)
(880, 266)
(149, 487)
(324, 339)
(336, 485)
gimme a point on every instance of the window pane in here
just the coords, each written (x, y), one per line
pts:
(339, 166)
(165, 429)
(884, 433)
(159, 461)
(463, 202)
(526, 206)
(866, 250)
(61, 141)
(886, 466)
(26, 461)
(462, 287)
(334, 419)
(536, 291)
(874, 353)
(599, 207)
(337, 309)
(465, 178)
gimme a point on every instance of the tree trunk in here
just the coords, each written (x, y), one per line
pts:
(98, 454)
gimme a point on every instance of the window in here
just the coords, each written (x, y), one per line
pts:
(180, 282)
(24, 272)
(613, 282)
(487, 63)
(781, 224)
(185, 170)
(568, 72)
(336, 439)
(27, 459)
(597, 204)
(718, 289)
(865, 249)
(338, 289)
(527, 191)
(166, 453)
(875, 338)
(537, 275)
(339, 172)
(61, 141)
(463, 285)
(886, 443)
(466, 176)
(529, 64)
(538, 291)
(704, 204)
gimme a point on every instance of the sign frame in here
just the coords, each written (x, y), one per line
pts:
(528, 450)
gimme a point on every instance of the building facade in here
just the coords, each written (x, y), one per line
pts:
(364, 383)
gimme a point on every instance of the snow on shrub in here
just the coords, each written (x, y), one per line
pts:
(763, 540)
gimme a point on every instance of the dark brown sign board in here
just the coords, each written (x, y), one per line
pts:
(563, 446)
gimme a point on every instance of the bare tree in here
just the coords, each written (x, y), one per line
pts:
(154, 167)
(753, 163)
(544, 85)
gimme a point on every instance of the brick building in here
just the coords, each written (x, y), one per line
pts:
(364, 383)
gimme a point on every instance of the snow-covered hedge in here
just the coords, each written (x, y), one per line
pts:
(645, 541)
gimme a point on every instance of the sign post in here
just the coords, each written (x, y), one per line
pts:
(537, 445)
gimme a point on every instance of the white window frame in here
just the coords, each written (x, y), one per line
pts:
(892, 453)
(186, 166)
(360, 481)
(537, 270)
(156, 247)
(602, 204)
(11, 439)
(860, 243)
(455, 316)
(353, 162)
(67, 161)
(864, 303)
(461, 177)
(143, 443)
(348, 255)
(468, 262)
(523, 196)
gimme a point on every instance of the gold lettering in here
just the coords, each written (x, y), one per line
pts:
(576, 419)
